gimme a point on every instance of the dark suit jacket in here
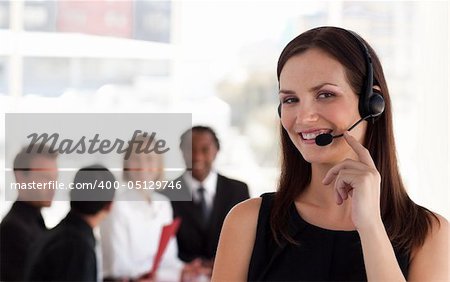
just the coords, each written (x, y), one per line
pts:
(65, 253)
(195, 239)
(19, 229)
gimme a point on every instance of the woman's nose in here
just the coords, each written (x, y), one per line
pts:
(307, 113)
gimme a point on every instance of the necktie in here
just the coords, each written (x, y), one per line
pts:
(202, 201)
(41, 222)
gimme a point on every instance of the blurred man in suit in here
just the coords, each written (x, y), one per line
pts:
(213, 196)
(24, 223)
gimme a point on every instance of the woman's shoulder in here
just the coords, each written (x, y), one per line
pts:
(254, 206)
(434, 249)
(246, 212)
(439, 230)
(437, 233)
(441, 221)
(251, 206)
(236, 241)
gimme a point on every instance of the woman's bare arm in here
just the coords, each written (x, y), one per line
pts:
(236, 242)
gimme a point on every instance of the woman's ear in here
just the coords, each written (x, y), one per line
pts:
(377, 88)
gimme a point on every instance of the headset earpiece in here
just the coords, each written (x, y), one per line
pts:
(376, 104)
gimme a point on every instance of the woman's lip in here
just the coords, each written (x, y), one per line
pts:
(314, 130)
(310, 141)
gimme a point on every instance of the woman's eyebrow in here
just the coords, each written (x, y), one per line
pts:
(283, 91)
(317, 87)
(312, 89)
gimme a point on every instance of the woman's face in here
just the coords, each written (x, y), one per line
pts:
(143, 167)
(317, 98)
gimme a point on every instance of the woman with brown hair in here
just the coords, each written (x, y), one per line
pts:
(341, 211)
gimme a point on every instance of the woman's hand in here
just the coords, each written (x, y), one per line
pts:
(196, 270)
(147, 277)
(361, 180)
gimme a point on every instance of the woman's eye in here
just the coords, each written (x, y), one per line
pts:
(290, 100)
(325, 95)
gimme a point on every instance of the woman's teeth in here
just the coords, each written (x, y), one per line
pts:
(313, 135)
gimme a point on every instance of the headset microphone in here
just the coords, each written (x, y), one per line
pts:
(325, 139)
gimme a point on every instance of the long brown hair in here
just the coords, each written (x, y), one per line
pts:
(406, 223)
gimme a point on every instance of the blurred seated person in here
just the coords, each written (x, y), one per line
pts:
(213, 196)
(24, 223)
(67, 252)
(130, 236)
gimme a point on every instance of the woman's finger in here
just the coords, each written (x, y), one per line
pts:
(360, 150)
(346, 164)
(344, 183)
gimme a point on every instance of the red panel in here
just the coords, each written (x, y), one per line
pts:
(99, 17)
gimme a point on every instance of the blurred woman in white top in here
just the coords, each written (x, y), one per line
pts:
(130, 235)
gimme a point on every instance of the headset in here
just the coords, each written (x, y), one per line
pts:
(371, 102)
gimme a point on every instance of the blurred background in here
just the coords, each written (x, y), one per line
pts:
(217, 60)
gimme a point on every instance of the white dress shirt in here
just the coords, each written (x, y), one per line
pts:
(130, 236)
(210, 184)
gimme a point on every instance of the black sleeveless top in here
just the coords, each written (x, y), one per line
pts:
(322, 254)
